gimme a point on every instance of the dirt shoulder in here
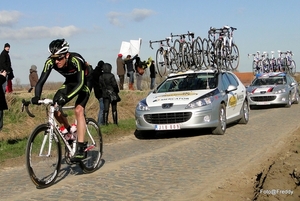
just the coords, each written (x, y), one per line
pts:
(276, 177)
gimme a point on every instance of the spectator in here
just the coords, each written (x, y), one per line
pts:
(3, 104)
(121, 70)
(5, 64)
(130, 70)
(10, 77)
(98, 71)
(152, 75)
(33, 77)
(139, 71)
(108, 81)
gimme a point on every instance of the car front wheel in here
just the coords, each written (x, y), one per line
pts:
(289, 103)
(296, 98)
(221, 128)
(244, 113)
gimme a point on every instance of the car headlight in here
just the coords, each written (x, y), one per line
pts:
(200, 102)
(280, 91)
(142, 106)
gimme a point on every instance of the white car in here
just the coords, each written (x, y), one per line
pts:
(194, 99)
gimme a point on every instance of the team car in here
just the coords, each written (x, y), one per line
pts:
(275, 88)
(193, 99)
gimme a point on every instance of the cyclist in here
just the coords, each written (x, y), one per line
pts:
(78, 81)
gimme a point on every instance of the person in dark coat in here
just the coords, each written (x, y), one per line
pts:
(5, 64)
(33, 77)
(98, 71)
(152, 75)
(3, 104)
(108, 81)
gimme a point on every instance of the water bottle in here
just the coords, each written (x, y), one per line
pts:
(73, 131)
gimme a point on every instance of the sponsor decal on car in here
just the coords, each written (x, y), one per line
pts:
(232, 101)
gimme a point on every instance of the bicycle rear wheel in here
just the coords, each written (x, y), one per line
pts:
(197, 52)
(94, 150)
(160, 62)
(43, 156)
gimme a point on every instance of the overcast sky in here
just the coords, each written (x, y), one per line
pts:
(96, 28)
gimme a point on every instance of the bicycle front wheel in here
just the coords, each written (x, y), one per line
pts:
(94, 150)
(160, 62)
(43, 156)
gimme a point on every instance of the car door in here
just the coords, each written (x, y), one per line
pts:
(231, 99)
(292, 84)
(239, 93)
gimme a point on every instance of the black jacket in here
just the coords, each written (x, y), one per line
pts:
(3, 104)
(98, 71)
(5, 63)
(108, 81)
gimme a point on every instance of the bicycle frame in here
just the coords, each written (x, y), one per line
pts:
(54, 128)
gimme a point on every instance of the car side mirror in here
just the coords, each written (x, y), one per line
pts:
(231, 88)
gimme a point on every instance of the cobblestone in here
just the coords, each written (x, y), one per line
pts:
(161, 169)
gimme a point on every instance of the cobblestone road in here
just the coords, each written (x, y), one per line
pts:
(168, 168)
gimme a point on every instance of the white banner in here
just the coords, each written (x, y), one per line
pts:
(130, 48)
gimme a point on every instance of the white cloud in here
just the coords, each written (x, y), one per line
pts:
(8, 18)
(39, 32)
(113, 18)
(138, 15)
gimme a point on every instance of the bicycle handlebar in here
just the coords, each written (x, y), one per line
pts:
(183, 35)
(47, 101)
(160, 41)
(225, 29)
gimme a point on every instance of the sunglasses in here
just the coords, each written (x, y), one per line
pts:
(59, 58)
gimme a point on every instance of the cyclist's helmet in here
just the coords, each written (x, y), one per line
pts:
(58, 47)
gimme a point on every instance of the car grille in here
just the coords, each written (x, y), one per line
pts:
(263, 98)
(168, 118)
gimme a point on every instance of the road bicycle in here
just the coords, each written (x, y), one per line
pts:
(256, 63)
(225, 50)
(287, 64)
(166, 57)
(44, 151)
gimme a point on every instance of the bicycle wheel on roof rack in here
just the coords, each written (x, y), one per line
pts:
(160, 62)
(219, 55)
(197, 52)
(187, 57)
(234, 57)
(206, 52)
(173, 63)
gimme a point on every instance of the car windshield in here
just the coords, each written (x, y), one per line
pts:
(197, 81)
(269, 81)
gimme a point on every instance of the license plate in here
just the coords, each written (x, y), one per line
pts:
(263, 103)
(167, 127)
